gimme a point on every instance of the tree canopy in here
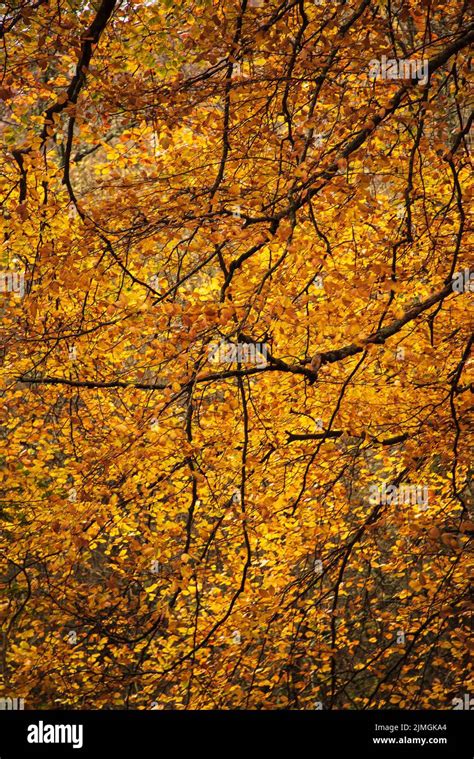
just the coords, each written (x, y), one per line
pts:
(236, 383)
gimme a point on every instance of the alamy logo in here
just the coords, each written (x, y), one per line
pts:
(12, 282)
(12, 704)
(463, 281)
(231, 353)
(463, 703)
(399, 68)
(42, 733)
(416, 495)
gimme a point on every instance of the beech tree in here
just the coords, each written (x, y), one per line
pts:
(236, 382)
